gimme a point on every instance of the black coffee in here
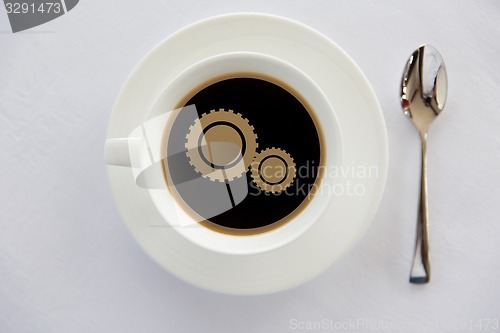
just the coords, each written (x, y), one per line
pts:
(248, 157)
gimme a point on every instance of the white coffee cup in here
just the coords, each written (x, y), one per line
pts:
(142, 152)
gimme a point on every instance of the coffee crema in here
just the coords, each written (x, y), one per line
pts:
(251, 154)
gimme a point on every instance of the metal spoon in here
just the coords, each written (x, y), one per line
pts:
(424, 88)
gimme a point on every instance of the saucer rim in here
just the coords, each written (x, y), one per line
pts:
(117, 177)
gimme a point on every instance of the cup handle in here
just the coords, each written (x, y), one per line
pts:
(117, 151)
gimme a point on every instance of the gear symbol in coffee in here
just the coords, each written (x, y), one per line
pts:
(221, 145)
(273, 170)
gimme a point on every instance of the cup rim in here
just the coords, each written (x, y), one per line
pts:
(324, 112)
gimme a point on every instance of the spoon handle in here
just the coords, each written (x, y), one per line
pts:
(421, 269)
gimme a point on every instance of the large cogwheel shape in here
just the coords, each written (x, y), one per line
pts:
(273, 170)
(221, 145)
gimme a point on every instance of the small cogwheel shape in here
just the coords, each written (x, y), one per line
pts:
(273, 170)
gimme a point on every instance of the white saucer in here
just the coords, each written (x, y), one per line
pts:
(364, 144)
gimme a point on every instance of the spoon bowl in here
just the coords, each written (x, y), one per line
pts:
(424, 86)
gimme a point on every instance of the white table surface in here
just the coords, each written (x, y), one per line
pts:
(68, 264)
